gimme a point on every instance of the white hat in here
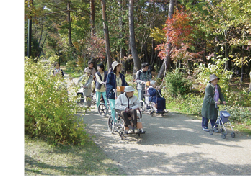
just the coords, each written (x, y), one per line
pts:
(129, 89)
(152, 83)
(212, 77)
(114, 64)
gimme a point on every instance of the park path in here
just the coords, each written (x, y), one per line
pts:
(173, 145)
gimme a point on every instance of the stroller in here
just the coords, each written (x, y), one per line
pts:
(222, 122)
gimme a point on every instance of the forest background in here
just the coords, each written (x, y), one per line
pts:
(183, 40)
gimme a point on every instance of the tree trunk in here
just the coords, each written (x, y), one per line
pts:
(92, 5)
(121, 47)
(69, 20)
(29, 33)
(167, 60)
(136, 61)
(106, 33)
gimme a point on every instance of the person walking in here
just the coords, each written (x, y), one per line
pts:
(100, 85)
(142, 76)
(114, 79)
(211, 99)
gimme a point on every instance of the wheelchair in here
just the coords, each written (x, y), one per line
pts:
(81, 97)
(102, 109)
(119, 125)
(148, 106)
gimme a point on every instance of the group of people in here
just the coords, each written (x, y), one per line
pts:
(106, 84)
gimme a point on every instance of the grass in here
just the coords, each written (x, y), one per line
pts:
(175, 106)
(43, 159)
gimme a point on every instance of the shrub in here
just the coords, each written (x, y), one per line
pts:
(49, 111)
(202, 74)
(176, 83)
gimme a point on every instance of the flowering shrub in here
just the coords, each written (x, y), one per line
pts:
(49, 111)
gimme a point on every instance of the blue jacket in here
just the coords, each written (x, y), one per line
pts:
(111, 84)
(154, 94)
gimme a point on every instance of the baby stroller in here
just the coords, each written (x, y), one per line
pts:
(222, 122)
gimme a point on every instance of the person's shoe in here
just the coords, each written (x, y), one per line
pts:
(206, 129)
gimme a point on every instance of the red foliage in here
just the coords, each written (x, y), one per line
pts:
(178, 31)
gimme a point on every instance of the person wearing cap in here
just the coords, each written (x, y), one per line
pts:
(142, 76)
(114, 79)
(211, 100)
(155, 96)
(86, 81)
(101, 76)
(128, 104)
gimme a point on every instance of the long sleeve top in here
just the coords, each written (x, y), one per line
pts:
(122, 102)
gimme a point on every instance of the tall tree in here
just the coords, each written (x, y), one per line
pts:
(167, 60)
(92, 5)
(69, 21)
(106, 33)
(136, 61)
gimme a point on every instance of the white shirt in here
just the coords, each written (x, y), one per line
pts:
(121, 102)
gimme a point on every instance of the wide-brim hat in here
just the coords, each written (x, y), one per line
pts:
(129, 89)
(115, 64)
(213, 77)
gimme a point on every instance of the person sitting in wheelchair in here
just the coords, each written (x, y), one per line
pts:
(155, 96)
(128, 103)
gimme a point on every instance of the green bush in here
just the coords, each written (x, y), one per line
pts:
(176, 83)
(49, 111)
(202, 74)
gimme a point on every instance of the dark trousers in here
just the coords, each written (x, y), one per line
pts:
(133, 115)
(205, 122)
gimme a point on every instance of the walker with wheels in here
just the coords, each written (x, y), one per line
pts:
(223, 122)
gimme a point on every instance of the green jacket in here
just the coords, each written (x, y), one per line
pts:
(208, 110)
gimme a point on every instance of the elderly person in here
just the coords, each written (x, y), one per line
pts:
(211, 100)
(86, 81)
(155, 96)
(142, 76)
(114, 79)
(128, 103)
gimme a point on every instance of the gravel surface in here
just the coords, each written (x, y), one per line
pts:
(173, 145)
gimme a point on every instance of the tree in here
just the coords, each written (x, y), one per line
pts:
(106, 34)
(136, 61)
(168, 47)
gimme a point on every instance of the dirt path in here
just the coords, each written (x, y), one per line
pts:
(174, 144)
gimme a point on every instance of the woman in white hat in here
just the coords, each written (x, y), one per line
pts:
(114, 79)
(210, 102)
